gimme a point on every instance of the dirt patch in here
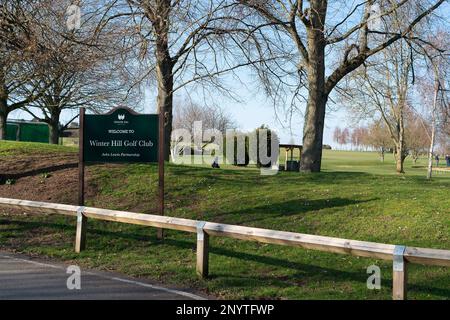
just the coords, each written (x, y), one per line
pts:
(53, 177)
(27, 165)
(60, 187)
(39, 177)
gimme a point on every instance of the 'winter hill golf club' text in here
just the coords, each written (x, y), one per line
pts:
(121, 143)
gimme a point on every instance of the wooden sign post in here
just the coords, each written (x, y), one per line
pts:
(161, 119)
(81, 159)
(123, 136)
(80, 239)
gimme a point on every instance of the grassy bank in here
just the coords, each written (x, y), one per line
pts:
(356, 196)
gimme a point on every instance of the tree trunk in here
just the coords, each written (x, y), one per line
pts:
(164, 71)
(317, 99)
(431, 151)
(3, 108)
(165, 102)
(433, 127)
(54, 132)
(400, 158)
(3, 118)
(400, 153)
(53, 125)
(399, 166)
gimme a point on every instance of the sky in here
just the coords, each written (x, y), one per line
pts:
(255, 109)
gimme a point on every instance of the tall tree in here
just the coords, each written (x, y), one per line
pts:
(212, 117)
(18, 46)
(182, 42)
(345, 137)
(337, 135)
(382, 90)
(378, 137)
(432, 88)
(417, 137)
(353, 32)
(188, 112)
(359, 137)
(80, 75)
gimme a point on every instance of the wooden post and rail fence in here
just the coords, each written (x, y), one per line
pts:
(398, 254)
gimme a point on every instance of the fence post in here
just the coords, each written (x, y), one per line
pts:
(80, 239)
(202, 250)
(400, 275)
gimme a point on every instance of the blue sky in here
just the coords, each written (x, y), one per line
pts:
(254, 110)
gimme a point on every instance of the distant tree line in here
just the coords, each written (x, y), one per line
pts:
(376, 137)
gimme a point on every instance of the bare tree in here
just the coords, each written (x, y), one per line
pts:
(321, 31)
(80, 75)
(433, 90)
(18, 45)
(417, 135)
(381, 90)
(359, 137)
(345, 136)
(378, 137)
(183, 42)
(443, 142)
(337, 135)
(188, 112)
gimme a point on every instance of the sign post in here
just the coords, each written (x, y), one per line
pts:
(161, 115)
(123, 136)
(80, 239)
(81, 160)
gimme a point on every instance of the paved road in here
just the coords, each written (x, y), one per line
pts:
(24, 278)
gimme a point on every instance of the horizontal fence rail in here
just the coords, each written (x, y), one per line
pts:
(400, 255)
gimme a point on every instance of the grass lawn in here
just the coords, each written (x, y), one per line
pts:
(356, 197)
(10, 148)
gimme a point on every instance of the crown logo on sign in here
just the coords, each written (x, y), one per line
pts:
(121, 116)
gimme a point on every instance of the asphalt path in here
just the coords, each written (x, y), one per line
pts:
(23, 277)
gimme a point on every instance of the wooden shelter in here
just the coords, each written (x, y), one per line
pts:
(291, 164)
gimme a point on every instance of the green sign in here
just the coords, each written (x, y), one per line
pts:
(120, 136)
